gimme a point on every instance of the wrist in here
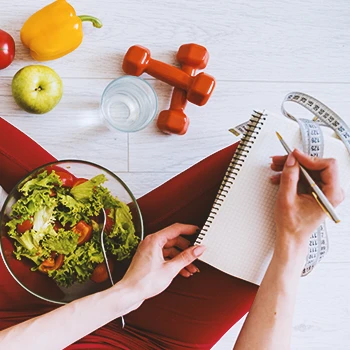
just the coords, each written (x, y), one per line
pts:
(123, 298)
(289, 250)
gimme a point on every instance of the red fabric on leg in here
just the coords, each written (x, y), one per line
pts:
(19, 155)
(191, 313)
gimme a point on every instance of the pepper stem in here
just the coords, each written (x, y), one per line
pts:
(95, 21)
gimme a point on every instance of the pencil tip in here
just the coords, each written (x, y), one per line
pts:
(279, 136)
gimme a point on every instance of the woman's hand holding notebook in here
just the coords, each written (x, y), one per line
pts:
(240, 231)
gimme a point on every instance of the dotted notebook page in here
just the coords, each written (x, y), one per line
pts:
(240, 239)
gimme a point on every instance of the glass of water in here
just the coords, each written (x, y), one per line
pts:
(128, 104)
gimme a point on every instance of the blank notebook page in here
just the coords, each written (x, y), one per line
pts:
(241, 235)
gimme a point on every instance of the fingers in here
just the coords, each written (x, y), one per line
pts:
(179, 242)
(276, 167)
(185, 258)
(192, 268)
(174, 231)
(170, 252)
(276, 179)
(310, 163)
(289, 179)
(188, 271)
(325, 173)
(327, 167)
(328, 173)
(185, 273)
(313, 163)
(279, 160)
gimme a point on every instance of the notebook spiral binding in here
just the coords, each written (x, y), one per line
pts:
(252, 129)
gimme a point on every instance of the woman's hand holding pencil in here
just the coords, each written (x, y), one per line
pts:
(297, 215)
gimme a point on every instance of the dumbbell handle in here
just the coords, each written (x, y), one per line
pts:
(169, 74)
(179, 97)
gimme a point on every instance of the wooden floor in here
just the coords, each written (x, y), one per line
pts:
(259, 51)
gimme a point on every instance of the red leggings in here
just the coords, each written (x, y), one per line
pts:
(192, 313)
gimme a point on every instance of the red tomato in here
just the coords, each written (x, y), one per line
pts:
(51, 168)
(79, 181)
(24, 226)
(52, 193)
(57, 226)
(64, 175)
(109, 225)
(7, 49)
(83, 230)
(100, 273)
(52, 263)
(109, 222)
(66, 178)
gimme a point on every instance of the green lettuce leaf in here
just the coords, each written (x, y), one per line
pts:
(122, 241)
(41, 182)
(123, 225)
(69, 210)
(27, 241)
(20, 251)
(30, 205)
(29, 245)
(63, 242)
(84, 191)
(78, 266)
(43, 218)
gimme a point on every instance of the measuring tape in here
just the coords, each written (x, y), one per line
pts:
(323, 115)
(313, 145)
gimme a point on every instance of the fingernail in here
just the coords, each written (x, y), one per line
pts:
(198, 250)
(290, 160)
(274, 177)
(198, 270)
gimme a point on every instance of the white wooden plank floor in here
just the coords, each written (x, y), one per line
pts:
(259, 51)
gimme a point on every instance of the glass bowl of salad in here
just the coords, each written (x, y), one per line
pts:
(51, 224)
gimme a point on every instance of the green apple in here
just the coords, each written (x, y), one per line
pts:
(37, 89)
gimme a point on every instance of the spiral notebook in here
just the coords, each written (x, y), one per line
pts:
(239, 233)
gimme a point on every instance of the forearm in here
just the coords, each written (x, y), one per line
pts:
(69, 323)
(269, 322)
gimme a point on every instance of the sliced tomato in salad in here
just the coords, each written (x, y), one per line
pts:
(56, 168)
(79, 181)
(26, 225)
(57, 225)
(84, 231)
(100, 273)
(54, 262)
(66, 179)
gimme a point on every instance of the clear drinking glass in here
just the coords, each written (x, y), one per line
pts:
(128, 104)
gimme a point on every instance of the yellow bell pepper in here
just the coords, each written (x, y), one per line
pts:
(54, 31)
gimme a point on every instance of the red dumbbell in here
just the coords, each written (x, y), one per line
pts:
(199, 88)
(174, 120)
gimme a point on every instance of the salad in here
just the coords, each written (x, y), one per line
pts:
(56, 224)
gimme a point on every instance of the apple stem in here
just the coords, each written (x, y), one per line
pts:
(95, 21)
